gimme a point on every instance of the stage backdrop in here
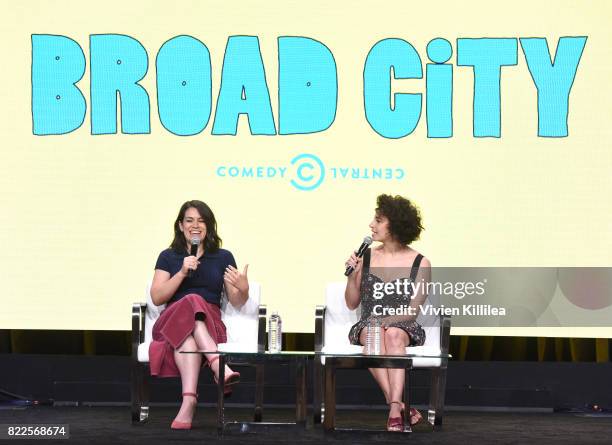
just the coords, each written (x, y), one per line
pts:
(288, 118)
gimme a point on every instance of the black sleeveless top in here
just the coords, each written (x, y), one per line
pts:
(376, 295)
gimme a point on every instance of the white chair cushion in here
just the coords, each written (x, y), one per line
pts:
(151, 315)
(242, 323)
(143, 352)
(339, 319)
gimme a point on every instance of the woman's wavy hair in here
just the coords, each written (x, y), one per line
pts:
(212, 240)
(404, 217)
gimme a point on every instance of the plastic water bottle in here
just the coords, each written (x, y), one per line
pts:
(377, 329)
(373, 337)
(275, 333)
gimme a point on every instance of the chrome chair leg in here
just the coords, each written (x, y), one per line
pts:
(139, 393)
(259, 393)
(329, 420)
(436, 397)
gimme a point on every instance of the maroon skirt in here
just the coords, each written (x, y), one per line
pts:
(174, 325)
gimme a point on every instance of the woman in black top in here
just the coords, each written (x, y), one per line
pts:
(396, 224)
(191, 287)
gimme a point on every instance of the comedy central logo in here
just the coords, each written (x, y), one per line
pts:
(309, 172)
(306, 172)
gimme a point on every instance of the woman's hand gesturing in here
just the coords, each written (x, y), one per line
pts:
(237, 279)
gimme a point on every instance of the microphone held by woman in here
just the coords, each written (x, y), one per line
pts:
(359, 253)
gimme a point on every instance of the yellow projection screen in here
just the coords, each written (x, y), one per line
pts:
(289, 118)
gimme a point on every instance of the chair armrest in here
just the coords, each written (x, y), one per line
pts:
(445, 325)
(319, 328)
(138, 313)
(261, 328)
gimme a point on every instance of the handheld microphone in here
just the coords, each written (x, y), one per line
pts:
(195, 242)
(364, 245)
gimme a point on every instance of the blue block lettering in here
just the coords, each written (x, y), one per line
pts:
(243, 89)
(307, 86)
(118, 63)
(487, 56)
(58, 106)
(401, 57)
(439, 93)
(184, 89)
(553, 80)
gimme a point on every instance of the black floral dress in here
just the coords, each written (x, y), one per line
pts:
(388, 300)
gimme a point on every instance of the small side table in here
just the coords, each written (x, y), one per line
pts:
(359, 361)
(260, 359)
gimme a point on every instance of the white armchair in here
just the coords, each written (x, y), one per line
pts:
(246, 331)
(332, 324)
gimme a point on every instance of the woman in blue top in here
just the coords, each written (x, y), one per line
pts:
(191, 287)
(396, 224)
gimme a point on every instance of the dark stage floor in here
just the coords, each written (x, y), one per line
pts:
(111, 425)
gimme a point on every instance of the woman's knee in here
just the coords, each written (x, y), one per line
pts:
(188, 345)
(396, 338)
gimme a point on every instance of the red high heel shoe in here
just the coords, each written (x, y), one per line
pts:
(396, 423)
(415, 415)
(176, 425)
(230, 379)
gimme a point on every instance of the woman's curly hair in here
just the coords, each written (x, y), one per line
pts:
(404, 217)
